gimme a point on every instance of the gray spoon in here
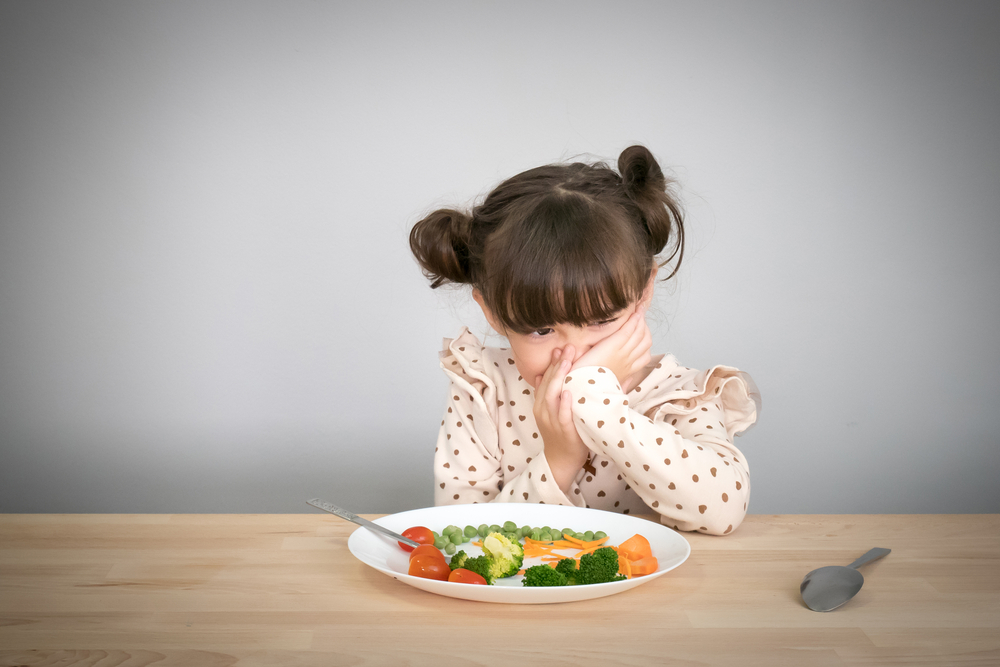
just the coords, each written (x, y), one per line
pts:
(829, 587)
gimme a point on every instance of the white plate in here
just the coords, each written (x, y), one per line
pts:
(384, 554)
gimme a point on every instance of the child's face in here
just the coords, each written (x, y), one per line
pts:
(533, 352)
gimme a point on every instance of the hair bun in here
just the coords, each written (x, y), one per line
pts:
(645, 184)
(440, 242)
(640, 172)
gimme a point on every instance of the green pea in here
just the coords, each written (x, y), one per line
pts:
(441, 542)
(536, 534)
(484, 530)
(600, 535)
(509, 526)
(470, 531)
(456, 538)
(568, 530)
(450, 549)
(494, 528)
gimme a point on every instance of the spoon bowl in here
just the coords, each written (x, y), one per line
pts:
(827, 588)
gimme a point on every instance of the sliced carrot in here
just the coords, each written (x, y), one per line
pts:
(635, 548)
(583, 544)
(643, 566)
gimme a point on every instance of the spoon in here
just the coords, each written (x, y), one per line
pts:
(827, 588)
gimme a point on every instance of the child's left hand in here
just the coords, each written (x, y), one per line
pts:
(625, 352)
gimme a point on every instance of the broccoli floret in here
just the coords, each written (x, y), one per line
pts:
(457, 560)
(543, 575)
(505, 555)
(481, 566)
(567, 567)
(599, 567)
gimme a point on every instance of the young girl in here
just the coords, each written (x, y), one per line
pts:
(562, 259)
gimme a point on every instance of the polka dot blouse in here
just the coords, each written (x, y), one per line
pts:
(667, 445)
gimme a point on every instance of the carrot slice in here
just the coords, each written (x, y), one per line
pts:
(643, 566)
(581, 544)
(635, 548)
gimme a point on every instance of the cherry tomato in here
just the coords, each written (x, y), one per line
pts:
(463, 576)
(426, 550)
(417, 534)
(429, 567)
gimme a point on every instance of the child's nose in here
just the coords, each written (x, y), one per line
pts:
(577, 348)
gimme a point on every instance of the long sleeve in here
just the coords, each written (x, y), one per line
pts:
(469, 466)
(677, 456)
(488, 447)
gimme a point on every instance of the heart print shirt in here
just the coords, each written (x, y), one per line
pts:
(667, 445)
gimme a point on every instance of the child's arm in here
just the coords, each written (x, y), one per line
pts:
(469, 456)
(681, 462)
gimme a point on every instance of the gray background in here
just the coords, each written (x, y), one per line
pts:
(207, 302)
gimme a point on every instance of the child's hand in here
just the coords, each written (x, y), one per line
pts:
(625, 352)
(564, 449)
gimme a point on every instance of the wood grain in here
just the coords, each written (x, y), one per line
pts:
(249, 590)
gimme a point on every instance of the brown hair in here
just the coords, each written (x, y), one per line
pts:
(564, 243)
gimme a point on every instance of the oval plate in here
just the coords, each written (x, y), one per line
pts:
(383, 554)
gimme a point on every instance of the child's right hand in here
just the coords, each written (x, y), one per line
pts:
(565, 450)
(625, 352)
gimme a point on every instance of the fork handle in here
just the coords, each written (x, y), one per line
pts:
(361, 521)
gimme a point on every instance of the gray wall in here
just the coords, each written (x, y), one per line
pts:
(207, 302)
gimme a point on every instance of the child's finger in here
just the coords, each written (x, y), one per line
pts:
(566, 410)
(643, 343)
(556, 382)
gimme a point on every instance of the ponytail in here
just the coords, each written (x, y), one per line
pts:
(440, 242)
(646, 186)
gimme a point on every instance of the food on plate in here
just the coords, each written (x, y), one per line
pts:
(458, 560)
(567, 566)
(481, 566)
(503, 555)
(635, 548)
(599, 567)
(427, 550)
(544, 575)
(429, 567)
(643, 566)
(462, 576)
(417, 534)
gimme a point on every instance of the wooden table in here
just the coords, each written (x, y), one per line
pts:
(129, 590)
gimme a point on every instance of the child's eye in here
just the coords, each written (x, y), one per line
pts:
(604, 322)
(542, 332)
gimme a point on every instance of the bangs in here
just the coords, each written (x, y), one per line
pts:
(570, 262)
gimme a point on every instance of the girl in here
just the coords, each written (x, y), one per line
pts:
(562, 259)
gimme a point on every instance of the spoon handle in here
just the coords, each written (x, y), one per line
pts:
(874, 554)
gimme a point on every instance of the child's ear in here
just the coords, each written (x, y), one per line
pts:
(478, 296)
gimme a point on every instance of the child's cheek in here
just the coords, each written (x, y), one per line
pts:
(530, 366)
